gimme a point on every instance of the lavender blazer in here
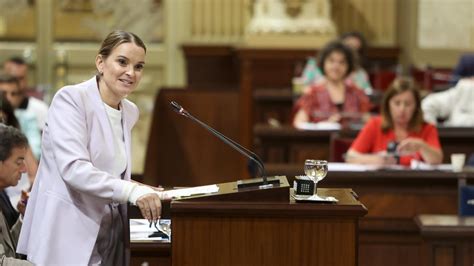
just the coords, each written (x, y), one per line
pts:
(73, 184)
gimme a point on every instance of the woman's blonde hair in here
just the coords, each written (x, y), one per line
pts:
(400, 85)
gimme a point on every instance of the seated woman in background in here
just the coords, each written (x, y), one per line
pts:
(312, 74)
(399, 135)
(332, 100)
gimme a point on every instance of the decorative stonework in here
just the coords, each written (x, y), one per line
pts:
(291, 16)
(12, 7)
(142, 17)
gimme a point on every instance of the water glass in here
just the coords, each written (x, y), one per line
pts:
(316, 170)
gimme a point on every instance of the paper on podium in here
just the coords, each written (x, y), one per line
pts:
(315, 198)
(140, 230)
(186, 192)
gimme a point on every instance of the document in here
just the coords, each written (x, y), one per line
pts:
(186, 192)
(319, 126)
(415, 165)
(140, 230)
(351, 167)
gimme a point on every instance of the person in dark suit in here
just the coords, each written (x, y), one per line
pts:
(13, 148)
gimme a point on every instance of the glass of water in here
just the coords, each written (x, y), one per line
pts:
(316, 170)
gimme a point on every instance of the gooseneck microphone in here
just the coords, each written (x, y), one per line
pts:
(242, 150)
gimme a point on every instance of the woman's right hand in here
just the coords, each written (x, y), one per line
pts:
(335, 118)
(379, 159)
(150, 206)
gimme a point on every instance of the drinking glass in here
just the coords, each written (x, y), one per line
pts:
(316, 170)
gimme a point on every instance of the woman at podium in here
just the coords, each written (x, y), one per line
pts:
(77, 211)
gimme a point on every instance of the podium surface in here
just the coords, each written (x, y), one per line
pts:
(210, 231)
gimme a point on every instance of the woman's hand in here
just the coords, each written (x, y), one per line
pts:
(150, 206)
(429, 154)
(335, 118)
(410, 145)
(383, 159)
(379, 159)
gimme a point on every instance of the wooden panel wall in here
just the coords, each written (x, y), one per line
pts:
(181, 153)
(218, 21)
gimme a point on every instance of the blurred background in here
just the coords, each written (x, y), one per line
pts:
(59, 38)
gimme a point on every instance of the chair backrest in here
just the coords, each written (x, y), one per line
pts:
(381, 79)
(339, 146)
(432, 79)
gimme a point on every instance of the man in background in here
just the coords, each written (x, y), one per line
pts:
(453, 107)
(9, 85)
(464, 68)
(17, 67)
(13, 147)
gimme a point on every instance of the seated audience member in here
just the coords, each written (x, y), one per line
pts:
(455, 106)
(28, 122)
(32, 106)
(399, 135)
(312, 73)
(8, 118)
(13, 147)
(333, 99)
(464, 68)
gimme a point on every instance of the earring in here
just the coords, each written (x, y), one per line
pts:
(101, 73)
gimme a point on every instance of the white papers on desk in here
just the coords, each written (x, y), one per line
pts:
(319, 126)
(419, 165)
(351, 167)
(140, 230)
(192, 191)
(416, 165)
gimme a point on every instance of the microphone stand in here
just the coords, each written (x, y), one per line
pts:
(264, 182)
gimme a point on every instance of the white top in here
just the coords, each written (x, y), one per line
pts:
(38, 109)
(455, 104)
(120, 159)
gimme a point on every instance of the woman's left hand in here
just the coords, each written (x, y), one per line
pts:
(150, 206)
(410, 145)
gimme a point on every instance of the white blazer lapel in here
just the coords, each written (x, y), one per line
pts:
(93, 95)
(127, 138)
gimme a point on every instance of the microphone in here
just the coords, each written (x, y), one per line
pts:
(264, 183)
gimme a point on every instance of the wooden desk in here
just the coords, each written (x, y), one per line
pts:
(456, 140)
(275, 68)
(287, 144)
(388, 234)
(267, 233)
(448, 240)
(153, 253)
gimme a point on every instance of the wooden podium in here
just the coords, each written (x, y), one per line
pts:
(265, 227)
